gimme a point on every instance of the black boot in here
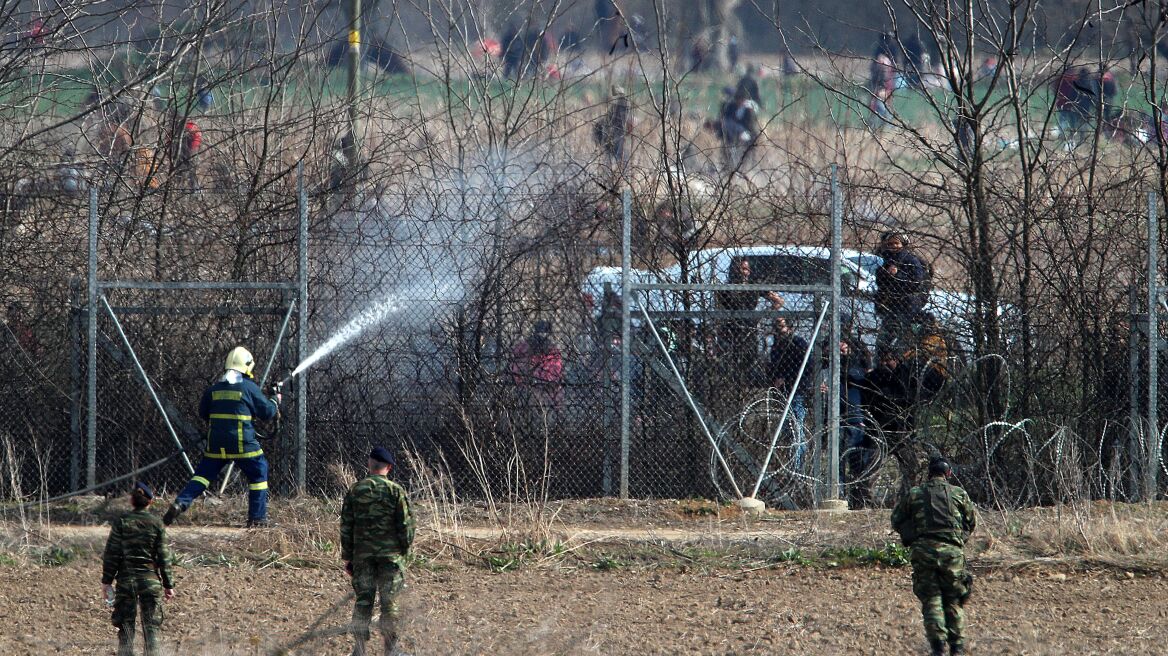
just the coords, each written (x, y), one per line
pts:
(955, 649)
(936, 649)
(172, 514)
(126, 639)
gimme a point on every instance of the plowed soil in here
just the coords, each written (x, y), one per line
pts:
(607, 577)
(585, 609)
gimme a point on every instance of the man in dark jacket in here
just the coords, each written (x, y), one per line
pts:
(902, 288)
(748, 85)
(229, 407)
(935, 520)
(739, 335)
(858, 447)
(889, 397)
(787, 355)
(740, 128)
(611, 131)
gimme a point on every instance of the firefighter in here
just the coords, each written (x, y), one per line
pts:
(229, 407)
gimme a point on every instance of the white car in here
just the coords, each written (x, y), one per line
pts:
(780, 265)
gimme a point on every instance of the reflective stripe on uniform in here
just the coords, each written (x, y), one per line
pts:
(201, 481)
(232, 417)
(226, 395)
(258, 486)
(223, 455)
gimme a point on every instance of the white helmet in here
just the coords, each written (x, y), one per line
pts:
(239, 359)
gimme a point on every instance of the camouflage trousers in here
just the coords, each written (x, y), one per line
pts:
(939, 582)
(375, 579)
(131, 594)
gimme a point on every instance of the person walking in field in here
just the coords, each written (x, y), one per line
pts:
(934, 520)
(881, 85)
(229, 407)
(137, 558)
(377, 529)
(188, 138)
(611, 132)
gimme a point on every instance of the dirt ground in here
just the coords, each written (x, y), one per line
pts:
(580, 610)
(686, 577)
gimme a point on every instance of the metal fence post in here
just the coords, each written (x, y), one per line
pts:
(1132, 449)
(91, 348)
(76, 407)
(833, 387)
(1152, 463)
(301, 330)
(626, 338)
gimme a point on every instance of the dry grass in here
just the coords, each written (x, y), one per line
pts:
(1090, 534)
(652, 533)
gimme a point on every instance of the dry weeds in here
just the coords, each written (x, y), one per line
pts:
(1099, 535)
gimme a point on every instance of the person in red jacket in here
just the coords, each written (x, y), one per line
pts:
(188, 139)
(36, 33)
(537, 366)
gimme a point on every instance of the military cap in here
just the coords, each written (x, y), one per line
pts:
(144, 489)
(381, 454)
(939, 467)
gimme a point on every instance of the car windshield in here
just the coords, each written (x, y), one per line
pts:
(796, 270)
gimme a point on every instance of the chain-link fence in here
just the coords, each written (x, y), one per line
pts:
(483, 331)
(453, 252)
(453, 324)
(468, 304)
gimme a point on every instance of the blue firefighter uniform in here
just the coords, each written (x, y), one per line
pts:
(229, 407)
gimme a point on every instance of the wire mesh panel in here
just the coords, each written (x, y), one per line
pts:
(728, 359)
(480, 328)
(38, 348)
(452, 323)
(157, 351)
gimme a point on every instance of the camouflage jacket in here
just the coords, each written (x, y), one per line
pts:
(136, 547)
(936, 512)
(376, 521)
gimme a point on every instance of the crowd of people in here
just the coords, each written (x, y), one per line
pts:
(1083, 98)
(139, 144)
(880, 397)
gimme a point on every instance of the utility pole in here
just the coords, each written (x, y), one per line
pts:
(352, 151)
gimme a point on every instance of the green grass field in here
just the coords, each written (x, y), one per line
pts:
(798, 100)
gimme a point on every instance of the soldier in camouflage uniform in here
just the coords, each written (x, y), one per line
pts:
(934, 520)
(137, 557)
(376, 532)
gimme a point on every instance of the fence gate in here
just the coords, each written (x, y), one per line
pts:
(139, 403)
